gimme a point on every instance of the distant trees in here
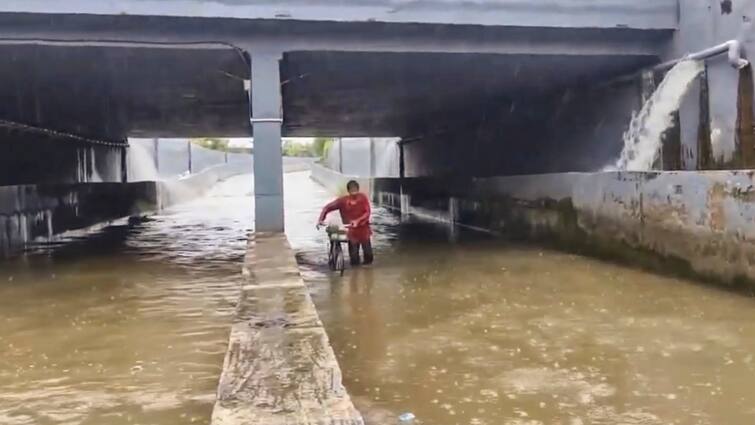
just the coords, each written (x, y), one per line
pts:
(294, 148)
(291, 147)
(210, 143)
(316, 149)
(222, 145)
(321, 146)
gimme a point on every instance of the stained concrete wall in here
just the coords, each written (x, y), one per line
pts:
(37, 213)
(688, 222)
(177, 190)
(702, 24)
(28, 159)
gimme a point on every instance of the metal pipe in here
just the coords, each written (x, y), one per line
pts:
(733, 49)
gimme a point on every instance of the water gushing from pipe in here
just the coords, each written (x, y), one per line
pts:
(642, 141)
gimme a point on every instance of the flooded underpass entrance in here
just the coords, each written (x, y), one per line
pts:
(130, 326)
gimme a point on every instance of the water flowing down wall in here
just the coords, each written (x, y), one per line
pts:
(38, 214)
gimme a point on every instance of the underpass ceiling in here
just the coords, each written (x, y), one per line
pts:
(368, 94)
(111, 92)
(115, 92)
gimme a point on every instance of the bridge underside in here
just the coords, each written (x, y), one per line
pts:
(108, 78)
(114, 92)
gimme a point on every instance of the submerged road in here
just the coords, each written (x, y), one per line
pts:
(130, 326)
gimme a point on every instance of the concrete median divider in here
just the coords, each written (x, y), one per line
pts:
(280, 368)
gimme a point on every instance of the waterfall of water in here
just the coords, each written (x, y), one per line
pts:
(387, 158)
(642, 141)
(141, 163)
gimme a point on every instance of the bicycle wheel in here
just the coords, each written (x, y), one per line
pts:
(340, 262)
(332, 255)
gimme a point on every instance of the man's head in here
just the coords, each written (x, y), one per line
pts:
(352, 187)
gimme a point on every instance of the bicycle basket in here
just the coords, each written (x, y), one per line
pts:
(336, 233)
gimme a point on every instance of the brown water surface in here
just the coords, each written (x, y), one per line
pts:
(130, 327)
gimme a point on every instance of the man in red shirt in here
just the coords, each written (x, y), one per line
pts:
(355, 214)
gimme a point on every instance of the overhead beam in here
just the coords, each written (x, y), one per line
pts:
(531, 45)
(640, 14)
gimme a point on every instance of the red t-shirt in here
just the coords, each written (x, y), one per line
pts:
(354, 210)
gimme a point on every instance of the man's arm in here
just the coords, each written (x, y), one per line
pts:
(335, 205)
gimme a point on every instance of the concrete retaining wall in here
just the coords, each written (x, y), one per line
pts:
(364, 157)
(37, 213)
(699, 223)
(32, 214)
(335, 182)
(178, 190)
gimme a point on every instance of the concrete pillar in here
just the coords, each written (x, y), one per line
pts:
(124, 162)
(156, 149)
(340, 156)
(405, 203)
(453, 210)
(404, 200)
(401, 166)
(373, 159)
(689, 122)
(188, 147)
(453, 218)
(267, 121)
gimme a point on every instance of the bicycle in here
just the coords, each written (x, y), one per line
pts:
(337, 236)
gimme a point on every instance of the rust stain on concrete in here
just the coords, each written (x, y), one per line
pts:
(726, 7)
(715, 206)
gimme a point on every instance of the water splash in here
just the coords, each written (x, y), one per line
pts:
(387, 157)
(141, 164)
(642, 141)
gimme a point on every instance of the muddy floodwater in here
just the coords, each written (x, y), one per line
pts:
(130, 326)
